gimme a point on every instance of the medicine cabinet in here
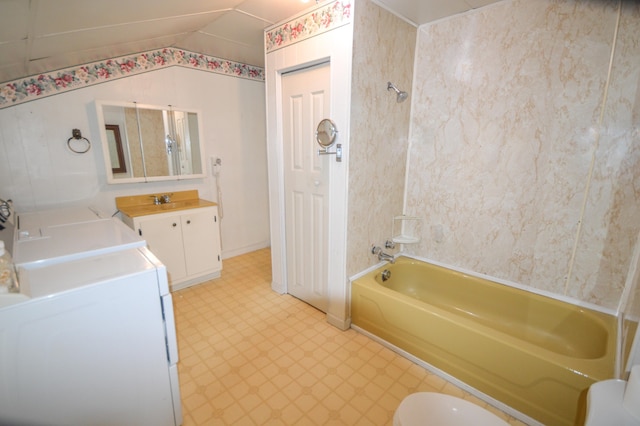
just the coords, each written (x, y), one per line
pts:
(144, 143)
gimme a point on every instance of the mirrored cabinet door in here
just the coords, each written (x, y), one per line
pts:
(150, 143)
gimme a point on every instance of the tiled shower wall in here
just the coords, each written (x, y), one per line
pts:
(384, 47)
(524, 157)
(612, 214)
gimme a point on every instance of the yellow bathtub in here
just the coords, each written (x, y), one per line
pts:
(536, 354)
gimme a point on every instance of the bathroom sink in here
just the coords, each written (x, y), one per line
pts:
(152, 208)
(142, 205)
(178, 205)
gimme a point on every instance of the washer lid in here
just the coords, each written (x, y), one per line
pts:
(52, 279)
(35, 225)
(61, 243)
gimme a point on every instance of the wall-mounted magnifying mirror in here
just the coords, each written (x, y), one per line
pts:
(326, 133)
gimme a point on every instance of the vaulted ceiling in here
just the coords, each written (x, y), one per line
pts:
(43, 35)
(38, 36)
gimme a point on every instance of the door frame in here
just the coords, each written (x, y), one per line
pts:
(335, 47)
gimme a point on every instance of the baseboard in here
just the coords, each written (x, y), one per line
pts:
(278, 287)
(341, 323)
(226, 254)
(194, 281)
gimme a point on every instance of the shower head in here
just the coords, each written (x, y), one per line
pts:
(400, 95)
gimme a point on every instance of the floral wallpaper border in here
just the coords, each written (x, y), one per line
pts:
(309, 25)
(39, 86)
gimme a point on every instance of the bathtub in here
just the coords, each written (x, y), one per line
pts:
(535, 354)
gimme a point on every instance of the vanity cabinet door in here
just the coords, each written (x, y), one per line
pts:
(186, 241)
(201, 240)
(164, 239)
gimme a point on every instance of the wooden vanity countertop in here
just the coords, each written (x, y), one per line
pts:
(142, 205)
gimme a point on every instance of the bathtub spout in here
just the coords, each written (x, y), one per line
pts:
(382, 255)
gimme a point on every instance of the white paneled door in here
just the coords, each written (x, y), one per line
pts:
(305, 102)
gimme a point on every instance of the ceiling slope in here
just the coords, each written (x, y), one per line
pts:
(39, 36)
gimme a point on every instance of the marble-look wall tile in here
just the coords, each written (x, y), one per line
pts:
(611, 222)
(384, 47)
(133, 134)
(153, 142)
(505, 124)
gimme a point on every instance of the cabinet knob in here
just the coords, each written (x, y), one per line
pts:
(188, 222)
(174, 225)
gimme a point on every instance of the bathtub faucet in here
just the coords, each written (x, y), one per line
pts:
(382, 255)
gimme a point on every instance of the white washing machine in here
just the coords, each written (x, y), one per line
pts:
(90, 339)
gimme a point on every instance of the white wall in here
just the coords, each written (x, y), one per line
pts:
(38, 171)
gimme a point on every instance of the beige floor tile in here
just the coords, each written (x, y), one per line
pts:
(250, 356)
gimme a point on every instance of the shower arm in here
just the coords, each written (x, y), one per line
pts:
(401, 96)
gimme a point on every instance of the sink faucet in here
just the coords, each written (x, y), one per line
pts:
(156, 200)
(382, 255)
(166, 198)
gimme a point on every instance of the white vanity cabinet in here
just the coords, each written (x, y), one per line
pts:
(186, 241)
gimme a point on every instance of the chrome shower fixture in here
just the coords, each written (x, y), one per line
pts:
(401, 96)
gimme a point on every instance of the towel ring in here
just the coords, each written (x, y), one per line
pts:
(77, 135)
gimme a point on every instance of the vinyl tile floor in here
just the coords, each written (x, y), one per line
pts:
(250, 356)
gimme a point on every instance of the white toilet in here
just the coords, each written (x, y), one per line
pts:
(436, 409)
(615, 402)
